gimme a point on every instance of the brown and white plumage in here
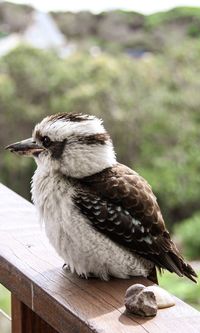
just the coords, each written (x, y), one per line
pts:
(100, 216)
(120, 204)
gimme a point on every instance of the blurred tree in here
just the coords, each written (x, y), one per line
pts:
(187, 235)
(14, 17)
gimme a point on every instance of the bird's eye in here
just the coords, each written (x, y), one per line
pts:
(46, 141)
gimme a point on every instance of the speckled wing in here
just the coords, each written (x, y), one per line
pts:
(120, 204)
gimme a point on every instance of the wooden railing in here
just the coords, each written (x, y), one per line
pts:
(46, 299)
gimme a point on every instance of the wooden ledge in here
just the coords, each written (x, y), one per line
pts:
(33, 272)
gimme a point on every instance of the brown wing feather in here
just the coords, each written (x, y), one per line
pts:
(121, 204)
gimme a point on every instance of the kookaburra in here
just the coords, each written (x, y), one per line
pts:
(101, 217)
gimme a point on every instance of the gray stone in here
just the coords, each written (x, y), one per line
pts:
(140, 301)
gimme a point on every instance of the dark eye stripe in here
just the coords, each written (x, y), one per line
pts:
(94, 139)
(57, 148)
(38, 136)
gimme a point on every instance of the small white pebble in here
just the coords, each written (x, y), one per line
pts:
(163, 298)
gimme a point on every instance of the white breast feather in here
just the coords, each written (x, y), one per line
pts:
(83, 248)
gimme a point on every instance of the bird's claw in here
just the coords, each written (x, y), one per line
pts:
(65, 266)
(88, 276)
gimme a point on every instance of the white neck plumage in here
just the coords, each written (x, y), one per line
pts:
(88, 161)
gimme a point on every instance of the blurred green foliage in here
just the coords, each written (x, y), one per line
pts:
(5, 300)
(187, 235)
(179, 14)
(119, 30)
(182, 288)
(113, 31)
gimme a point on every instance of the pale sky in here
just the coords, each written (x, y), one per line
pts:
(142, 6)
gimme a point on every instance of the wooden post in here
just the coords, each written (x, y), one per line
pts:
(24, 320)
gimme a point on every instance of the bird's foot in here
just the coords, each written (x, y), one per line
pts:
(88, 276)
(65, 267)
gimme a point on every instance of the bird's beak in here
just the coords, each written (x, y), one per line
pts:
(26, 147)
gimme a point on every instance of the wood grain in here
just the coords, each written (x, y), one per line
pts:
(32, 271)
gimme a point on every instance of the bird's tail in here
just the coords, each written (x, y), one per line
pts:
(179, 266)
(170, 258)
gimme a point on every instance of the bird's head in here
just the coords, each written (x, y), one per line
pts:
(76, 145)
